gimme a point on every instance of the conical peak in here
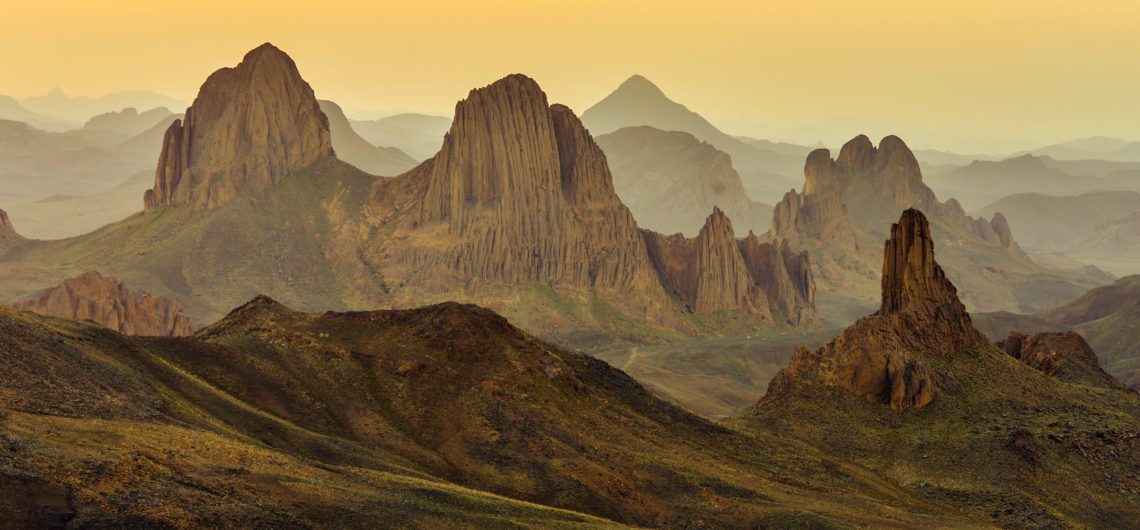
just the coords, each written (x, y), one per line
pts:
(639, 86)
(5, 222)
(911, 276)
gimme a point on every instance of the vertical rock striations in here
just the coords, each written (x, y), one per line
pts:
(708, 272)
(880, 356)
(108, 302)
(521, 194)
(250, 126)
(716, 272)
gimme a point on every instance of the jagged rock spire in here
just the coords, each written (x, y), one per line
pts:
(248, 127)
(880, 357)
(910, 274)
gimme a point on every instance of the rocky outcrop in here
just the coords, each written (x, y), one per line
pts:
(715, 272)
(520, 194)
(880, 356)
(108, 302)
(708, 272)
(249, 127)
(670, 180)
(1064, 355)
(785, 276)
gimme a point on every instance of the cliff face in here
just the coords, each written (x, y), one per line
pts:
(248, 127)
(519, 194)
(708, 272)
(715, 272)
(108, 302)
(880, 356)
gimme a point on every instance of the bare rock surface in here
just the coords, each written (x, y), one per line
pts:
(249, 126)
(880, 356)
(109, 302)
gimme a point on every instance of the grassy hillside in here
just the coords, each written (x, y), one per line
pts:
(1005, 443)
(277, 418)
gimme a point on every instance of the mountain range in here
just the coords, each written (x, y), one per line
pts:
(255, 150)
(767, 170)
(447, 415)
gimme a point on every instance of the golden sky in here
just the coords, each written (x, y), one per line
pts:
(1011, 71)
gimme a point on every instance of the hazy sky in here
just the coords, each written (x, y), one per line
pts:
(942, 73)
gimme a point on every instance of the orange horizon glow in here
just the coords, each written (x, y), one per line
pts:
(1007, 73)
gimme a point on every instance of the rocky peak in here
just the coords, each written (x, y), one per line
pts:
(6, 224)
(109, 302)
(708, 272)
(911, 277)
(880, 357)
(501, 149)
(873, 183)
(858, 154)
(523, 194)
(249, 127)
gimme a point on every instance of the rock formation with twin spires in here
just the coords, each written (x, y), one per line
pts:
(249, 126)
(880, 357)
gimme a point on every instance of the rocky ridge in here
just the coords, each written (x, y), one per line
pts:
(880, 356)
(109, 302)
(249, 126)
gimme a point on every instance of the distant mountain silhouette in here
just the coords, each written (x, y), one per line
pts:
(129, 121)
(351, 148)
(82, 108)
(418, 135)
(671, 181)
(1055, 222)
(768, 171)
